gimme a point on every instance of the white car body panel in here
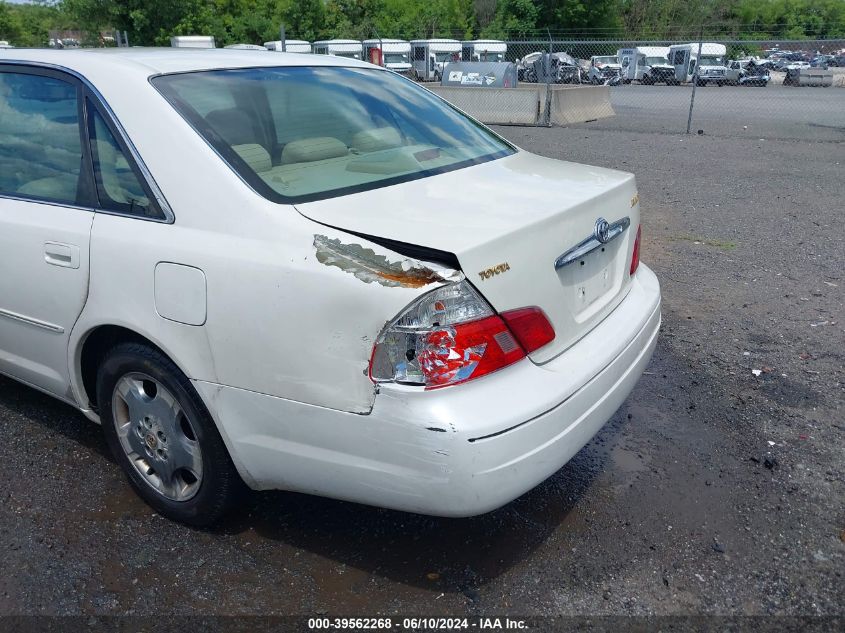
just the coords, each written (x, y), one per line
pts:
(44, 285)
(543, 207)
(421, 452)
(278, 341)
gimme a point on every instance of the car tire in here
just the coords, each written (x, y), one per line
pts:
(163, 437)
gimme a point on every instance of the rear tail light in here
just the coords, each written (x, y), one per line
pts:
(530, 326)
(635, 258)
(451, 335)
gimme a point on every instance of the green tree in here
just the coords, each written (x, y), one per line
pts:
(10, 24)
(514, 18)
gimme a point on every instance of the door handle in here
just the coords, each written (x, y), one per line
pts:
(64, 255)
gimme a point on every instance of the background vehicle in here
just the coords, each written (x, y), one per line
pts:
(395, 54)
(563, 68)
(523, 64)
(339, 48)
(246, 47)
(649, 65)
(755, 75)
(483, 51)
(603, 68)
(430, 56)
(291, 46)
(821, 61)
(796, 65)
(735, 71)
(711, 67)
(191, 41)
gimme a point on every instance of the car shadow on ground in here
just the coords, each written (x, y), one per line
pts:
(53, 415)
(428, 552)
(452, 555)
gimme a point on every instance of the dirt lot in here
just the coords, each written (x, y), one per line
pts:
(712, 490)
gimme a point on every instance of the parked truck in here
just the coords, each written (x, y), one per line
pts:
(430, 57)
(339, 48)
(710, 66)
(483, 51)
(290, 46)
(603, 68)
(395, 54)
(646, 64)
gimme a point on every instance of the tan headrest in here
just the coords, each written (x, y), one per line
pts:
(255, 156)
(376, 139)
(308, 150)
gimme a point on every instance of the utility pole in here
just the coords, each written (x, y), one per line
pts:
(695, 76)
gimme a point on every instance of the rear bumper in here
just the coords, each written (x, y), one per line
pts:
(457, 451)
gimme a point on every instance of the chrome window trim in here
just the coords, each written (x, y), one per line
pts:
(52, 203)
(169, 217)
(590, 244)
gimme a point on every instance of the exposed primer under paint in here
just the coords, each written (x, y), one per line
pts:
(370, 266)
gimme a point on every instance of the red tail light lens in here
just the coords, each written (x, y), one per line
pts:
(469, 350)
(451, 335)
(635, 258)
(531, 327)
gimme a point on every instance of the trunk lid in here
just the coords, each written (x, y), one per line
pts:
(508, 221)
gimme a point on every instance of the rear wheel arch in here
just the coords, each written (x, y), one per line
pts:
(93, 347)
(91, 352)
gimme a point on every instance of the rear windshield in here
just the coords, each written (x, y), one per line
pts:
(298, 134)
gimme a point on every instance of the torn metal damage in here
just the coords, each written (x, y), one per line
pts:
(370, 266)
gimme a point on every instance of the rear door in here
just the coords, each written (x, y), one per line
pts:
(46, 213)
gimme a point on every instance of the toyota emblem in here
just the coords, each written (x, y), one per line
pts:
(602, 230)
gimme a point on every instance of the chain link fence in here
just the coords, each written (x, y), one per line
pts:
(752, 88)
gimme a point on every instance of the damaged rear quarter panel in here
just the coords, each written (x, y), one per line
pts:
(284, 323)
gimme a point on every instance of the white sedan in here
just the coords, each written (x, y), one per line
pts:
(308, 273)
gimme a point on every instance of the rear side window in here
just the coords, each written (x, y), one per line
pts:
(298, 134)
(119, 187)
(40, 146)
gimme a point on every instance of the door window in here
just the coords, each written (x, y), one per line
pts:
(119, 187)
(40, 147)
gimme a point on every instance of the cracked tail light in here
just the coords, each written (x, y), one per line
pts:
(447, 336)
(635, 258)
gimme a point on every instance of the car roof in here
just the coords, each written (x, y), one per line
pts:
(154, 61)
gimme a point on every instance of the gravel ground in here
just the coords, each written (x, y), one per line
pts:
(711, 491)
(773, 112)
